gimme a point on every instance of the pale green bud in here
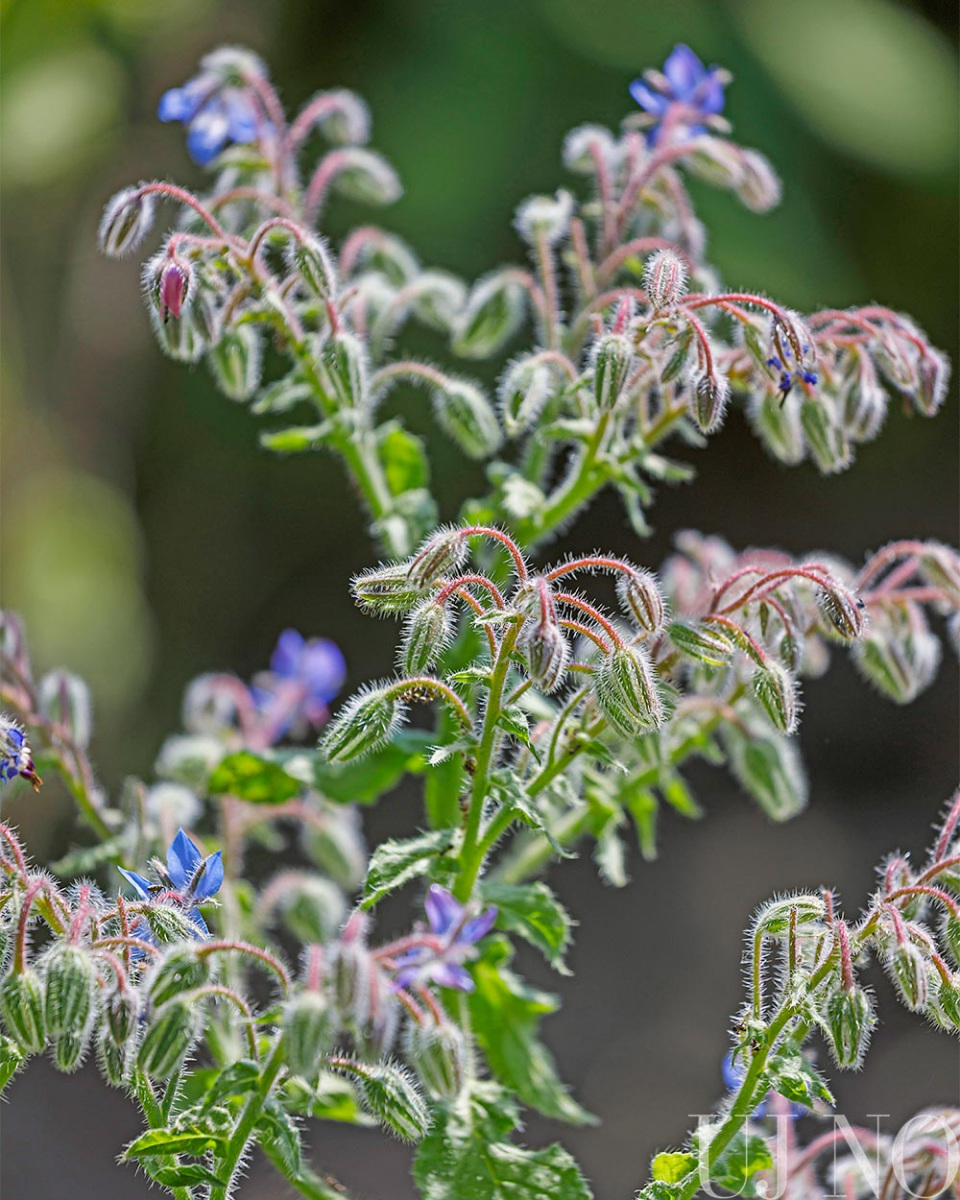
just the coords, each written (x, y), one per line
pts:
(309, 1031)
(466, 415)
(65, 699)
(438, 1055)
(708, 402)
(21, 1006)
(364, 724)
(776, 690)
(386, 589)
(427, 632)
(908, 970)
(523, 392)
(70, 988)
(494, 312)
(705, 643)
(626, 691)
(827, 441)
(169, 1036)
(126, 220)
(849, 1021)
(441, 555)
(366, 177)
(612, 359)
(236, 361)
(641, 598)
(180, 970)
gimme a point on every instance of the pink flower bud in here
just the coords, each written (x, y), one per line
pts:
(174, 283)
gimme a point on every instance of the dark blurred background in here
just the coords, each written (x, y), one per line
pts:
(145, 538)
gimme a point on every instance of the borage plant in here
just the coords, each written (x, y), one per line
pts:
(228, 1008)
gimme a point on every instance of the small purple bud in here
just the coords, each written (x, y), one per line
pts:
(174, 286)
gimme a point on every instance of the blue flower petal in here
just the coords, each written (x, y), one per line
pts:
(141, 885)
(710, 95)
(479, 927)
(452, 975)
(183, 858)
(208, 133)
(203, 930)
(15, 737)
(243, 121)
(649, 100)
(684, 71)
(212, 878)
(182, 103)
(285, 660)
(323, 669)
(443, 911)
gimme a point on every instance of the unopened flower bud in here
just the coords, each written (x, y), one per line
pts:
(523, 392)
(664, 280)
(172, 804)
(545, 217)
(776, 917)
(442, 554)
(777, 423)
(352, 971)
(70, 987)
(21, 1006)
(126, 220)
(626, 691)
(169, 923)
(345, 370)
(841, 611)
(908, 970)
(309, 1030)
(641, 599)
(233, 66)
(438, 1055)
(174, 287)
(849, 1021)
(364, 724)
(494, 311)
(933, 380)
(366, 177)
(776, 690)
(342, 116)
(827, 441)
(168, 1038)
(940, 568)
(612, 359)
(900, 667)
(65, 699)
(587, 146)
(759, 186)
(708, 406)
(426, 634)
(716, 160)
(180, 970)
(385, 589)
(313, 908)
(467, 416)
(547, 655)
(311, 259)
(113, 1058)
(706, 643)
(121, 1014)
(236, 361)
(948, 999)
(864, 408)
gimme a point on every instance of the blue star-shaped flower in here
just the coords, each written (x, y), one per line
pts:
(685, 80)
(15, 756)
(789, 378)
(448, 920)
(214, 115)
(188, 877)
(304, 677)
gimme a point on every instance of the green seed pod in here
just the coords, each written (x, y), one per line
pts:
(612, 360)
(426, 634)
(908, 970)
(309, 1030)
(181, 970)
(21, 1006)
(466, 415)
(168, 1038)
(70, 988)
(442, 554)
(363, 725)
(626, 691)
(438, 1055)
(236, 362)
(641, 599)
(849, 1021)
(776, 690)
(705, 643)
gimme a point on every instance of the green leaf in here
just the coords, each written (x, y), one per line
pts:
(678, 795)
(642, 805)
(239, 1079)
(508, 791)
(659, 1190)
(11, 1060)
(671, 1168)
(395, 863)
(390, 1094)
(404, 458)
(769, 768)
(280, 1137)
(368, 779)
(172, 1141)
(333, 1098)
(516, 723)
(743, 1158)
(465, 1155)
(253, 779)
(86, 859)
(795, 1078)
(533, 912)
(182, 1175)
(505, 1014)
(297, 438)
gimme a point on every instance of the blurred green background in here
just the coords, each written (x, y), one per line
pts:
(145, 538)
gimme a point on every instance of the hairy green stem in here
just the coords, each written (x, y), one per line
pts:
(230, 1160)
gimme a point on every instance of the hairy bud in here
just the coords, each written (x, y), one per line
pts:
(933, 380)
(587, 146)
(70, 988)
(759, 187)
(442, 554)
(345, 371)
(21, 1005)
(776, 917)
(626, 691)
(864, 405)
(948, 1000)
(438, 1055)
(776, 422)
(849, 1020)
(126, 220)
(547, 655)
(236, 361)
(311, 260)
(113, 1058)
(612, 358)
(309, 1031)
(65, 699)
(545, 217)
(776, 690)
(174, 287)
(466, 415)
(664, 280)
(706, 643)
(342, 116)
(708, 402)
(426, 634)
(385, 590)
(168, 1038)
(827, 441)
(641, 599)
(901, 667)
(366, 177)
(181, 970)
(493, 313)
(313, 908)
(841, 611)
(523, 392)
(121, 1014)
(364, 724)
(908, 970)
(716, 160)
(940, 568)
